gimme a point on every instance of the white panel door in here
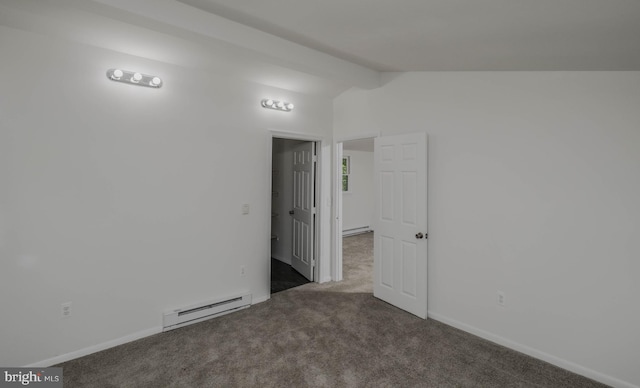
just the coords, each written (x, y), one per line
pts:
(303, 212)
(400, 245)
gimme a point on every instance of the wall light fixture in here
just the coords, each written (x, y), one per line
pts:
(277, 105)
(135, 78)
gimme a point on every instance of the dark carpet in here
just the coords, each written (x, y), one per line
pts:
(310, 337)
(316, 339)
(284, 277)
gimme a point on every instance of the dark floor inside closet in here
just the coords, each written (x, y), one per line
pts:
(284, 277)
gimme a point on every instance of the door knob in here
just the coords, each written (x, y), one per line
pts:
(419, 236)
(291, 212)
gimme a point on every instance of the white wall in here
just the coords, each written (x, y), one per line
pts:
(533, 190)
(357, 204)
(126, 200)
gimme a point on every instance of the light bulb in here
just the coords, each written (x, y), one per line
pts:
(136, 77)
(117, 74)
(290, 106)
(280, 104)
(269, 102)
(155, 81)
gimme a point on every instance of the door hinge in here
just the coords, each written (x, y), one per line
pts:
(314, 158)
(313, 262)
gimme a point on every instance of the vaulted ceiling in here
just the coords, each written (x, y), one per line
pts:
(451, 35)
(325, 47)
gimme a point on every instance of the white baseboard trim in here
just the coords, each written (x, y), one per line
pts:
(562, 363)
(355, 231)
(95, 348)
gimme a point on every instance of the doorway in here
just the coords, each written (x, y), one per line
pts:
(293, 213)
(357, 212)
(399, 219)
(354, 196)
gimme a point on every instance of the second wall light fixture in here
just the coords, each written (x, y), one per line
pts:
(277, 105)
(134, 78)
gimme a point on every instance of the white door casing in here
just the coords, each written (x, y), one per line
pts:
(303, 212)
(400, 253)
(337, 273)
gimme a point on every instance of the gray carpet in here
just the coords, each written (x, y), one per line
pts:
(316, 337)
(357, 267)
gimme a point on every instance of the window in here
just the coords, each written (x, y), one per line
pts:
(346, 169)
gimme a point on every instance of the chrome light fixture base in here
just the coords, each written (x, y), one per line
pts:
(134, 78)
(283, 106)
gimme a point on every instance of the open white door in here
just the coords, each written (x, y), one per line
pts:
(400, 245)
(303, 212)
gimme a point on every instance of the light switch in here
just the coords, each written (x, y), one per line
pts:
(245, 208)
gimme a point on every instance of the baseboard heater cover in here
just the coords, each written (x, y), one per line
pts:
(203, 311)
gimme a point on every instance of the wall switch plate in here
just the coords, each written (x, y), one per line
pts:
(245, 208)
(65, 310)
(243, 270)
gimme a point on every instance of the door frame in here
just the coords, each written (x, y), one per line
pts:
(336, 259)
(322, 242)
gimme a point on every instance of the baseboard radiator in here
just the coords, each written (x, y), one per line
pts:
(203, 311)
(354, 231)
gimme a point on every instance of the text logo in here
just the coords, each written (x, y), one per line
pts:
(31, 377)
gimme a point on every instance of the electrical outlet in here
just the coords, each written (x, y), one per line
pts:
(243, 270)
(501, 299)
(245, 208)
(65, 310)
